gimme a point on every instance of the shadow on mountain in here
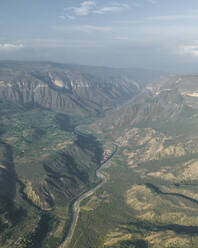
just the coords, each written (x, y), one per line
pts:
(9, 213)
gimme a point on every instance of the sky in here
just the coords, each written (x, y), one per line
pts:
(155, 34)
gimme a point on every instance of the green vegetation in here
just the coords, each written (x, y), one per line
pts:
(49, 155)
(43, 167)
(150, 199)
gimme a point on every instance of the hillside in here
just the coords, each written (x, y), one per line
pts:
(43, 168)
(44, 165)
(150, 199)
(162, 103)
(69, 89)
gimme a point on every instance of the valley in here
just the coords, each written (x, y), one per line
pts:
(76, 204)
(45, 165)
(150, 198)
(99, 124)
(97, 158)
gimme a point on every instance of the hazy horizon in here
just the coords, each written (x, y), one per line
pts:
(151, 34)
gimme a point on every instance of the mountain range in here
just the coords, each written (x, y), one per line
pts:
(44, 165)
(60, 122)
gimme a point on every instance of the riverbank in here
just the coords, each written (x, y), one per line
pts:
(76, 204)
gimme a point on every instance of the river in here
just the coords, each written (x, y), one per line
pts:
(76, 204)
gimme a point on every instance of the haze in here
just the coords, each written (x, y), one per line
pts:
(157, 34)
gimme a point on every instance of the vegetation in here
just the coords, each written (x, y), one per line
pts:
(43, 167)
(47, 161)
(150, 199)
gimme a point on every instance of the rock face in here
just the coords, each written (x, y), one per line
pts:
(155, 169)
(172, 99)
(44, 164)
(64, 88)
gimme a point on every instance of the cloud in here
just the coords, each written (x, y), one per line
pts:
(88, 28)
(84, 8)
(90, 7)
(40, 43)
(70, 17)
(191, 50)
(83, 28)
(113, 8)
(10, 47)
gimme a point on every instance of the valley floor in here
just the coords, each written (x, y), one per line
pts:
(150, 198)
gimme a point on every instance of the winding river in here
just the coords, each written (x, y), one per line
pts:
(76, 204)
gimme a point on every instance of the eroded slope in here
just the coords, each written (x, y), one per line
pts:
(151, 196)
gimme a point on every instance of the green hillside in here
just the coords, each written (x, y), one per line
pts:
(150, 199)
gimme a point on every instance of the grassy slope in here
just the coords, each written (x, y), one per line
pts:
(43, 167)
(48, 167)
(151, 197)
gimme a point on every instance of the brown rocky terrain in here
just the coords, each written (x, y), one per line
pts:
(65, 88)
(152, 182)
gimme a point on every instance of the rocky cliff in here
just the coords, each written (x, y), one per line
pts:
(66, 88)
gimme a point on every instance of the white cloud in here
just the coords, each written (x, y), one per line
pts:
(113, 8)
(83, 28)
(90, 28)
(61, 43)
(191, 50)
(10, 47)
(83, 10)
(62, 17)
(70, 17)
(90, 7)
